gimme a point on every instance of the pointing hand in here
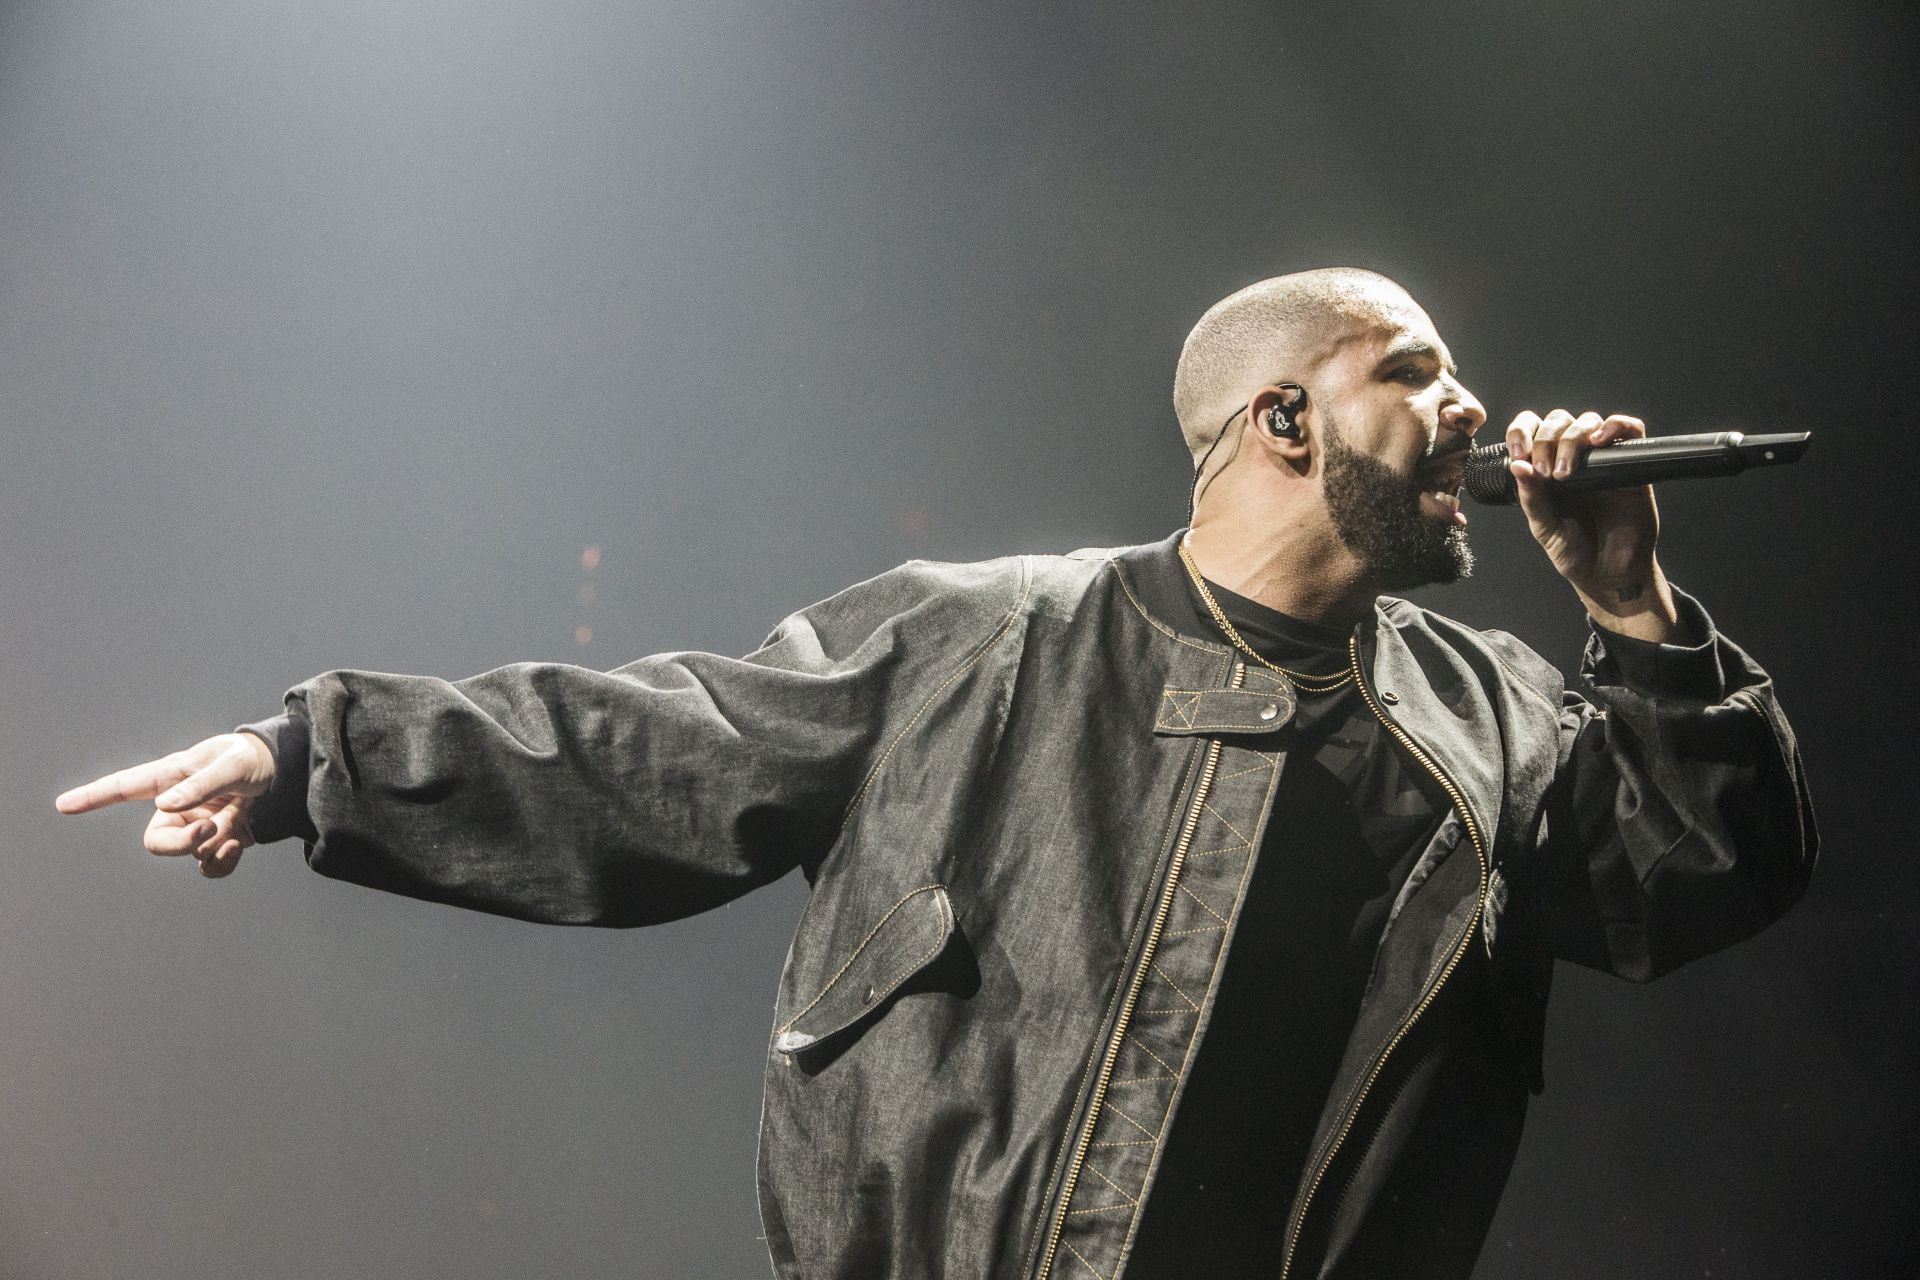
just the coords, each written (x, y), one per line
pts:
(201, 798)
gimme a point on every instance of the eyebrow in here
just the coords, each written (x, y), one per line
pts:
(1406, 348)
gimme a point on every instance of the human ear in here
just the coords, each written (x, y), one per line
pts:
(1280, 412)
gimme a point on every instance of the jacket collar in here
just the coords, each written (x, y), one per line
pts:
(1157, 580)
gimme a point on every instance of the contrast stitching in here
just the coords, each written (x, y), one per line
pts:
(1203, 906)
(1221, 818)
(1190, 719)
(1176, 986)
(1181, 708)
(1178, 710)
(1272, 765)
(1229, 777)
(1135, 1123)
(1218, 955)
(1141, 1045)
(1133, 1200)
(1194, 757)
(1273, 768)
(1068, 1245)
(993, 640)
(863, 946)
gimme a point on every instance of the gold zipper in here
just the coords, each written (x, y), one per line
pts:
(1105, 1078)
(1453, 961)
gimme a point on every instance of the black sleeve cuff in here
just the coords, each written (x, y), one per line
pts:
(281, 813)
(1661, 670)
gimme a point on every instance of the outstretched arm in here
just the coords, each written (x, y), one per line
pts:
(555, 793)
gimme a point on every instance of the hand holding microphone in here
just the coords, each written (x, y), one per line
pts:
(1631, 461)
(1584, 484)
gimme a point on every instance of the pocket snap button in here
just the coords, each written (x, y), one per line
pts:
(871, 993)
(1269, 711)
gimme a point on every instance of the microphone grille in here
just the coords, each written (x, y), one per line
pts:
(1488, 480)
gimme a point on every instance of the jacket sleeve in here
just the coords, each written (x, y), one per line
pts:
(559, 794)
(1678, 822)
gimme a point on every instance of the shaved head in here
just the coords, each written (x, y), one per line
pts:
(1273, 331)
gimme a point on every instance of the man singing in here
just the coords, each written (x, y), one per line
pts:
(1177, 910)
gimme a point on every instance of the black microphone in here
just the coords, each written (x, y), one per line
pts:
(1630, 462)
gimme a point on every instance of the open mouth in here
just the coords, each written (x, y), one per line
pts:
(1439, 485)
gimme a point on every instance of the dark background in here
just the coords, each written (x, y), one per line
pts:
(334, 333)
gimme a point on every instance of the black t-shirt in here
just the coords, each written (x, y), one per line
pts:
(1351, 814)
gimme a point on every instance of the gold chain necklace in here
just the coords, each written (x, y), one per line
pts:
(1305, 681)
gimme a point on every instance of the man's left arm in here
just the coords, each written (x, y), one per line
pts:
(1679, 821)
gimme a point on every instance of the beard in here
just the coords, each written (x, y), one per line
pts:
(1377, 514)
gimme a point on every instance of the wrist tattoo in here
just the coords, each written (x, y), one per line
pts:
(1631, 591)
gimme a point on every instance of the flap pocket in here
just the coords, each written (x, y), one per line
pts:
(1196, 711)
(906, 939)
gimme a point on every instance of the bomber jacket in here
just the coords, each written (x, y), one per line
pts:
(1028, 805)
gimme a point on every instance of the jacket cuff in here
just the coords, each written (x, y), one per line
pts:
(282, 812)
(1661, 670)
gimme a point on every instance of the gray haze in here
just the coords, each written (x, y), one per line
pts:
(335, 332)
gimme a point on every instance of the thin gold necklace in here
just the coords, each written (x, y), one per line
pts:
(1305, 681)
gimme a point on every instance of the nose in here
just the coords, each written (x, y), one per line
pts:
(1463, 413)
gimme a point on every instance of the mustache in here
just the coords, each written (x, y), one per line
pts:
(1460, 448)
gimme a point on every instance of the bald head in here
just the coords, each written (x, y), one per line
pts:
(1273, 331)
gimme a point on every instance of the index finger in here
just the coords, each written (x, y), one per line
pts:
(1520, 433)
(1620, 426)
(141, 782)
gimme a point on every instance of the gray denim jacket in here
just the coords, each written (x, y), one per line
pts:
(1028, 804)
